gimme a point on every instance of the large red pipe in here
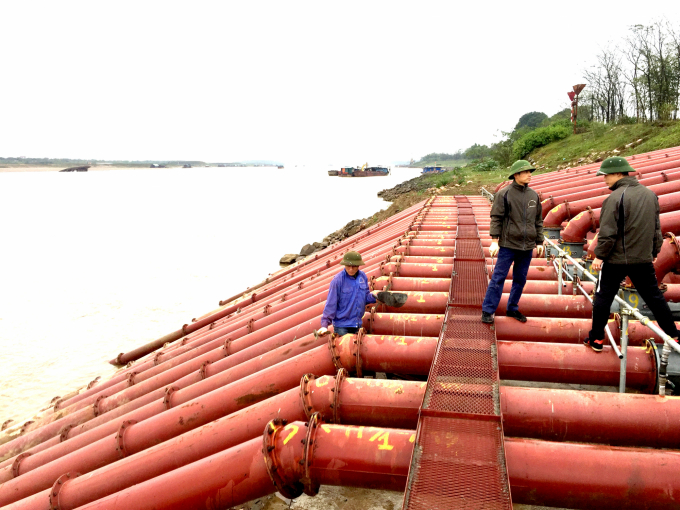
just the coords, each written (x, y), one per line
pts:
(527, 412)
(568, 210)
(539, 472)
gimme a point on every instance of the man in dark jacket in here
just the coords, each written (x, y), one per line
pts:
(517, 226)
(627, 245)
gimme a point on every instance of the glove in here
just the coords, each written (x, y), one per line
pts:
(493, 249)
(321, 332)
(540, 250)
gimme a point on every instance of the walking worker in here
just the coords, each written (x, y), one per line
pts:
(627, 245)
(517, 227)
(348, 296)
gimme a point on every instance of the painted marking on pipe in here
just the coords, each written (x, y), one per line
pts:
(294, 430)
(323, 380)
(326, 428)
(412, 438)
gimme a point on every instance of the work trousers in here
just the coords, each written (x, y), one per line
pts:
(506, 257)
(644, 279)
(345, 331)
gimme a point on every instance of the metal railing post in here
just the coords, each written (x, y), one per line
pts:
(625, 317)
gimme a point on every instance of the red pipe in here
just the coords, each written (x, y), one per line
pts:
(570, 331)
(564, 363)
(379, 458)
(534, 273)
(568, 210)
(668, 259)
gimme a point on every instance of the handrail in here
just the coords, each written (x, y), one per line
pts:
(669, 343)
(487, 194)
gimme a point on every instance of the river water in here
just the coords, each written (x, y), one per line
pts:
(98, 263)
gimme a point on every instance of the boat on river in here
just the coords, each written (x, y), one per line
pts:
(436, 169)
(364, 171)
(75, 169)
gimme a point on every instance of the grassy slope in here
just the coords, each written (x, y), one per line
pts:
(587, 146)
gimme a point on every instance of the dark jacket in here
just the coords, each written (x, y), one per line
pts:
(521, 226)
(630, 232)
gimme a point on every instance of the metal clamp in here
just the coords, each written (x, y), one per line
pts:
(17, 463)
(271, 431)
(120, 443)
(168, 395)
(56, 489)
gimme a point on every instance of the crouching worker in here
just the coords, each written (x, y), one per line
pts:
(348, 296)
(517, 227)
(628, 242)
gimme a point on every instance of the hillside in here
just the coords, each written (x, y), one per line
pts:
(598, 142)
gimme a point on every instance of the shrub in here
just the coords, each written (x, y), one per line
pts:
(539, 138)
(486, 165)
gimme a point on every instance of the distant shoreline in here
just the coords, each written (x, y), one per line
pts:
(98, 168)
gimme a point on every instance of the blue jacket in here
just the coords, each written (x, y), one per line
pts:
(347, 298)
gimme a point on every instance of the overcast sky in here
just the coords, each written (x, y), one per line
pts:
(309, 82)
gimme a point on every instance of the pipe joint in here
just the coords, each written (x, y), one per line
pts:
(17, 463)
(284, 475)
(120, 438)
(168, 396)
(56, 489)
(95, 407)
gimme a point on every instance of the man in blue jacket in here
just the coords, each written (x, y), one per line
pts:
(348, 296)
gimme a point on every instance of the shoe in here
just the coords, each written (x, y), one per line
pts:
(516, 314)
(595, 345)
(487, 318)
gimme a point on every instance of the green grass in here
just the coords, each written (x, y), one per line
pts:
(447, 163)
(601, 140)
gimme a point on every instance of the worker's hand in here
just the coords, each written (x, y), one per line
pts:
(654, 261)
(323, 331)
(540, 250)
(375, 293)
(597, 264)
(493, 249)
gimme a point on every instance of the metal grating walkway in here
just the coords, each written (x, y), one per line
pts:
(459, 457)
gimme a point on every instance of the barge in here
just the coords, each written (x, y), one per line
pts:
(364, 171)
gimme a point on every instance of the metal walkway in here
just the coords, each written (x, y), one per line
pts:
(459, 456)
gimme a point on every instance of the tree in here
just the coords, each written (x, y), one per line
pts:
(531, 120)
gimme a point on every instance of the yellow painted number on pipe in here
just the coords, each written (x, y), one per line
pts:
(384, 437)
(634, 300)
(294, 430)
(322, 381)
(567, 250)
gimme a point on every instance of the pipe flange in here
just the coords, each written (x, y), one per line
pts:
(566, 207)
(305, 394)
(56, 489)
(118, 361)
(339, 378)
(271, 431)
(665, 177)
(17, 463)
(382, 268)
(371, 319)
(95, 406)
(186, 339)
(250, 325)
(334, 353)
(227, 347)
(674, 240)
(63, 434)
(130, 364)
(131, 378)
(184, 329)
(328, 264)
(593, 222)
(203, 370)
(120, 442)
(57, 404)
(283, 298)
(266, 309)
(168, 396)
(157, 357)
(91, 384)
(311, 487)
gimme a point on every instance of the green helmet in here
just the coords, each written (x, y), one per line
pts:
(352, 258)
(519, 166)
(614, 165)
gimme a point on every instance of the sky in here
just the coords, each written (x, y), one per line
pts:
(308, 82)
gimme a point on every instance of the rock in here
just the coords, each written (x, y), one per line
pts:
(300, 258)
(324, 244)
(307, 249)
(289, 258)
(317, 246)
(353, 230)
